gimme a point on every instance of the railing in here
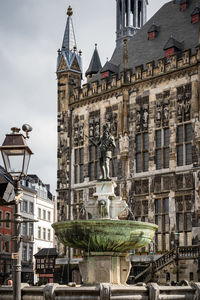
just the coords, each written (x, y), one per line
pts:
(164, 260)
(106, 291)
(179, 253)
(188, 252)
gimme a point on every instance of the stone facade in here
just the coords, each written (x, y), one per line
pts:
(154, 113)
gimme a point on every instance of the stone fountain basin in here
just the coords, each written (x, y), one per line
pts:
(105, 235)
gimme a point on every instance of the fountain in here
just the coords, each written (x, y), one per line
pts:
(105, 240)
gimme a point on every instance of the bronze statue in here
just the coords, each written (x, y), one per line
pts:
(105, 145)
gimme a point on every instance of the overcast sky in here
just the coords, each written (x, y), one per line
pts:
(31, 31)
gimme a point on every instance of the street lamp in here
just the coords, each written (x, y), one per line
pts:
(16, 157)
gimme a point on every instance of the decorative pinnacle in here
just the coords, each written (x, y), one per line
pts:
(69, 11)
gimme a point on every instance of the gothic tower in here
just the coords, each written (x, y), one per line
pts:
(131, 16)
(69, 75)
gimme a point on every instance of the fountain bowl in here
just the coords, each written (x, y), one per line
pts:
(103, 235)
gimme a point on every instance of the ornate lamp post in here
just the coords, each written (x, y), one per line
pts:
(16, 157)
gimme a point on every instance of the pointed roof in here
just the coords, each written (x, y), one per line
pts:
(110, 67)
(95, 64)
(69, 40)
(172, 43)
(68, 57)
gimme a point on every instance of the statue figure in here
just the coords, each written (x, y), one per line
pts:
(105, 145)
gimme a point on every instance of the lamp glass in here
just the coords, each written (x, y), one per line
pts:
(27, 157)
(14, 160)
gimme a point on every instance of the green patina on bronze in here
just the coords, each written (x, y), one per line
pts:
(104, 235)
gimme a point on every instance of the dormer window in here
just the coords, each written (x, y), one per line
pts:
(195, 15)
(183, 5)
(108, 70)
(105, 74)
(153, 32)
(172, 47)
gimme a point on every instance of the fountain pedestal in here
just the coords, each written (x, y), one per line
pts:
(105, 204)
(99, 267)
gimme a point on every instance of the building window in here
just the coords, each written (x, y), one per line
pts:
(49, 235)
(184, 214)
(152, 35)
(7, 217)
(31, 208)
(49, 216)
(162, 220)
(24, 252)
(30, 228)
(44, 233)
(44, 214)
(7, 246)
(25, 206)
(184, 144)
(24, 228)
(39, 232)
(30, 252)
(79, 165)
(93, 163)
(39, 213)
(162, 138)
(142, 154)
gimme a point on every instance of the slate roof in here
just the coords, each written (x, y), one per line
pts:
(171, 21)
(172, 43)
(46, 252)
(153, 28)
(4, 176)
(95, 64)
(109, 67)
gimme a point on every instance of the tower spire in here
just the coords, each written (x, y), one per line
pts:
(131, 16)
(69, 40)
(68, 56)
(95, 64)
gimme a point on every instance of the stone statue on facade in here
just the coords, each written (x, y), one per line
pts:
(105, 145)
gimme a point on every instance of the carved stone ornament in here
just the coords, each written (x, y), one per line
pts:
(76, 134)
(138, 118)
(187, 109)
(124, 144)
(81, 134)
(165, 114)
(180, 107)
(145, 117)
(158, 113)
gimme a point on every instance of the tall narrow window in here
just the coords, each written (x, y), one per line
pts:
(162, 220)
(39, 232)
(184, 215)
(93, 163)
(184, 144)
(8, 224)
(162, 138)
(142, 152)
(31, 229)
(44, 233)
(79, 165)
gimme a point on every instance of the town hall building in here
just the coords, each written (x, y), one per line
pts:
(149, 93)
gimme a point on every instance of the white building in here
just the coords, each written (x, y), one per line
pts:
(37, 205)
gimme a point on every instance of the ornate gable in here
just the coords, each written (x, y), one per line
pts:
(62, 66)
(75, 65)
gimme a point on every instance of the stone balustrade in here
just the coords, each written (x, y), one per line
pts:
(106, 291)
